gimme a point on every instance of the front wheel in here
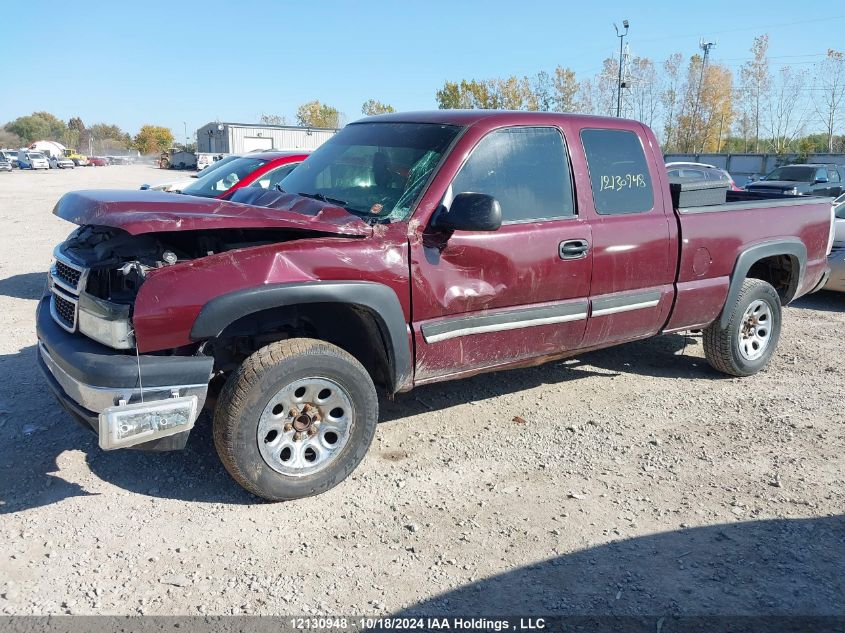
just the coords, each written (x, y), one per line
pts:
(295, 419)
(747, 344)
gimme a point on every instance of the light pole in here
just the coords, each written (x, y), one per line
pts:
(621, 37)
(186, 134)
(705, 47)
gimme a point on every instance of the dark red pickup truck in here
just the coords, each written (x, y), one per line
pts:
(408, 249)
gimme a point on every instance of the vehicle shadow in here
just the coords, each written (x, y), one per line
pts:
(824, 300)
(35, 431)
(24, 286)
(745, 570)
(661, 356)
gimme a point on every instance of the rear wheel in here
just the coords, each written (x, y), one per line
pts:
(748, 342)
(295, 419)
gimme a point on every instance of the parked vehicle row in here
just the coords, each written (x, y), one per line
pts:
(32, 159)
(408, 249)
(791, 180)
(227, 175)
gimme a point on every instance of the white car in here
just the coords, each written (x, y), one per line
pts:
(60, 162)
(32, 160)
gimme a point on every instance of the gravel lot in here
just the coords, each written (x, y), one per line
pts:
(641, 482)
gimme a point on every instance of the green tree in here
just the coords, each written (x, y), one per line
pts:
(565, 90)
(102, 131)
(153, 139)
(38, 126)
(372, 107)
(451, 97)
(316, 114)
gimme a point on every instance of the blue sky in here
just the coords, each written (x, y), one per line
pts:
(132, 63)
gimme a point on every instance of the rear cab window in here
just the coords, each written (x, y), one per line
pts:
(619, 175)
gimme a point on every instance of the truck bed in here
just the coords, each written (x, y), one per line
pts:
(713, 237)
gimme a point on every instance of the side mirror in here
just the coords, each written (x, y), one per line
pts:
(471, 212)
(144, 187)
(821, 181)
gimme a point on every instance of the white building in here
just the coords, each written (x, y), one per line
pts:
(240, 138)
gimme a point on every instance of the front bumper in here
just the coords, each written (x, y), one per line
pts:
(88, 378)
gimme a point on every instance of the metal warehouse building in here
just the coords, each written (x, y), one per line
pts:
(240, 138)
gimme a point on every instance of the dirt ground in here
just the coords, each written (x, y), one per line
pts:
(641, 483)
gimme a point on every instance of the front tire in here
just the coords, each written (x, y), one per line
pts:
(747, 344)
(295, 419)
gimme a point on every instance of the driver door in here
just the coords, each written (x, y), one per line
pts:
(485, 299)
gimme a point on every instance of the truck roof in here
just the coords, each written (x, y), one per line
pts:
(470, 117)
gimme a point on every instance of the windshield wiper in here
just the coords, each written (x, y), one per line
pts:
(323, 198)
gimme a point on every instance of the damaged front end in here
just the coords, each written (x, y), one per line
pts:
(87, 347)
(105, 368)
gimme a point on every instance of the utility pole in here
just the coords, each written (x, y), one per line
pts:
(704, 46)
(620, 85)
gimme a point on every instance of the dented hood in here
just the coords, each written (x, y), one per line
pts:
(139, 212)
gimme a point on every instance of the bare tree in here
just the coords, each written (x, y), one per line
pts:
(785, 116)
(643, 96)
(273, 119)
(670, 98)
(603, 88)
(830, 92)
(756, 82)
(543, 92)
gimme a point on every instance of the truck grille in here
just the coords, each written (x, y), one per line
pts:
(69, 275)
(64, 311)
(68, 281)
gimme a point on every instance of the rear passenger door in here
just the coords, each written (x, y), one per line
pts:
(633, 237)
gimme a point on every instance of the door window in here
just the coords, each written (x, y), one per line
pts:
(526, 169)
(833, 175)
(821, 174)
(619, 173)
(274, 177)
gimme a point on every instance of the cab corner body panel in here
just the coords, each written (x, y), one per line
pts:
(788, 246)
(377, 298)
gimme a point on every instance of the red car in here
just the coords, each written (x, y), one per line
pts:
(409, 249)
(261, 169)
(98, 161)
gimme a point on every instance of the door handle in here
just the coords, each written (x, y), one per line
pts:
(573, 249)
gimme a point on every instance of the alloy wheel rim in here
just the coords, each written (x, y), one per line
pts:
(304, 426)
(755, 330)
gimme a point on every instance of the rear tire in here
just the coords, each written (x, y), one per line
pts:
(747, 344)
(295, 419)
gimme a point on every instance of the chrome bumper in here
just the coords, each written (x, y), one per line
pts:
(99, 386)
(98, 399)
